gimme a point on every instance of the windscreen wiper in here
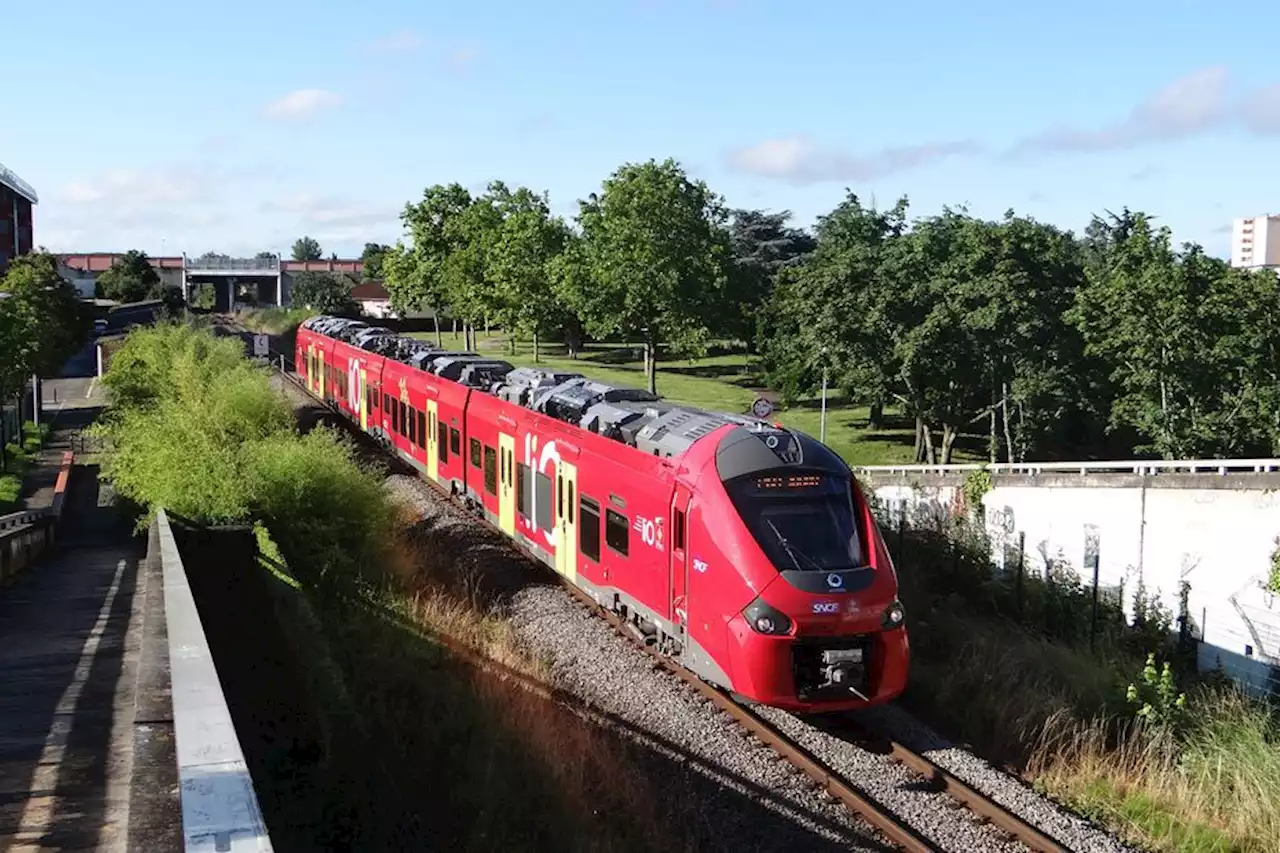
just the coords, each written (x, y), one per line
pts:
(793, 553)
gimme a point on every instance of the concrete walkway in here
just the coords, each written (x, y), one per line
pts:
(70, 630)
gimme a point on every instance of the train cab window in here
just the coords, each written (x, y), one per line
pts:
(442, 442)
(617, 534)
(475, 453)
(455, 442)
(801, 521)
(677, 530)
(589, 527)
(522, 480)
(490, 470)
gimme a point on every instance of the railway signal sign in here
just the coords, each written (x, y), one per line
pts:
(761, 408)
(261, 346)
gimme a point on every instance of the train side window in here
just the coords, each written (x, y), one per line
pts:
(616, 532)
(395, 416)
(442, 442)
(455, 442)
(490, 470)
(677, 530)
(523, 491)
(475, 453)
(422, 428)
(544, 500)
(589, 527)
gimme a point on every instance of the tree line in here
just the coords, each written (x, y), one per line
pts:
(1017, 334)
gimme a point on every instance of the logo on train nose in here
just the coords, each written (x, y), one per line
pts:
(835, 581)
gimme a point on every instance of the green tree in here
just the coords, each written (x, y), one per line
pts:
(414, 275)
(131, 278)
(1191, 345)
(322, 291)
(519, 264)
(762, 245)
(307, 249)
(42, 320)
(466, 274)
(658, 253)
(841, 308)
(371, 258)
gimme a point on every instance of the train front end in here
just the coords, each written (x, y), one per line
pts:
(819, 626)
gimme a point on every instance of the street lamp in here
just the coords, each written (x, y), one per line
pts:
(822, 428)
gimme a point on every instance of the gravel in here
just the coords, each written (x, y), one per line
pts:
(762, 804)
(1052, 819)
(758, 801)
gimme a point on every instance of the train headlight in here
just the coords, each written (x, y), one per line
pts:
(765, 619)
(894, 615)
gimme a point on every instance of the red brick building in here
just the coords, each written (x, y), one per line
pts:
(17, 198)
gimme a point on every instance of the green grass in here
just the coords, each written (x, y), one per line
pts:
(726, 382)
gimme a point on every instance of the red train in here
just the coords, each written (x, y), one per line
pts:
(744, 550)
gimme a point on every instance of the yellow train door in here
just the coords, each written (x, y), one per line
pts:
(432, 443)
(364, 399)
(567, 520)
(507, 483)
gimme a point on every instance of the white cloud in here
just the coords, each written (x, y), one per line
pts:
(302, 103)
(798, 160)
(1197, 103)
(401, 41)
(461, 59)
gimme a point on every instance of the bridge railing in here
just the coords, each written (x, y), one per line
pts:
(232, 264)
(220, 809)
(1144, 467)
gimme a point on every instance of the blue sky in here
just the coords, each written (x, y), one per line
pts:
(239, 126)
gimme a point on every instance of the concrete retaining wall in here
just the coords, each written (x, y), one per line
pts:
(1211, 526)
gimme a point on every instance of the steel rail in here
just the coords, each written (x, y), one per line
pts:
(824, 777)
(943, 781)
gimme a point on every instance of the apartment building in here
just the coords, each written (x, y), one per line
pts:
(1255, 242)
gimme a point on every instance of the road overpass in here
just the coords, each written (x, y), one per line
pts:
(269, 280)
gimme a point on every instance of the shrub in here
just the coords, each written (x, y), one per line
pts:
(325, 512)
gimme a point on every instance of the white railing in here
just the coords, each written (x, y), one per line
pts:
(219, 806)
(231, 264)
(1123, 466)
(21, 187)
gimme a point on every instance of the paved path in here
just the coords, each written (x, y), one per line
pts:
(70, 630)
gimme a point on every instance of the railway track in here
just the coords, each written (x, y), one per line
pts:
(897, 831)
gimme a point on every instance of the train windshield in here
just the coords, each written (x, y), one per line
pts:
(802, 521)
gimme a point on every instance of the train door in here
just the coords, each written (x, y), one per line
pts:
(506, 483)
(680, 556)
(364, 399)
(567, 520)
(431, 444)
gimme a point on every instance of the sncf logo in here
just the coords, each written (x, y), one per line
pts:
(826, 607)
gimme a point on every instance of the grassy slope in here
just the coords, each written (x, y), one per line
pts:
(723, 383)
